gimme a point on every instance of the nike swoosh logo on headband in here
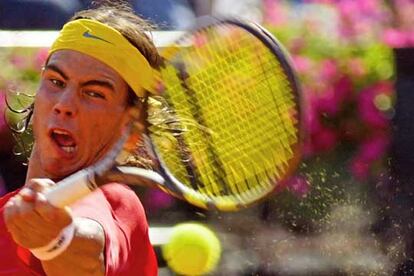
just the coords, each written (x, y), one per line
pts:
(87, 34)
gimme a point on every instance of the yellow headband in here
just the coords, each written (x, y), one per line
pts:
(112, 48)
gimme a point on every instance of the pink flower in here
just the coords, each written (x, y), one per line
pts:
(275, 12)
(359, 18)
(298, 185)
(321, 1)
(328, 102)
(40, 58)
(319, 137)
(329, 69)
(2, 107)
(312, 121)
(359, 169)
(156, 199)
(395, 38)
(324, 140)
(374, 147)
(332, 99)
(18, 61)
(349, 8)
(369, 6)
(368, 110)
(410, 39)
(302, 64)
(361, 9)
(370, 151)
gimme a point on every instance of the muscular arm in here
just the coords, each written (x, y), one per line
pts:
(84, 256)
(33, 223)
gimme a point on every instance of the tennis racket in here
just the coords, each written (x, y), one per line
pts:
(231, 126)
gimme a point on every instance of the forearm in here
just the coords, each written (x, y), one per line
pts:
(85, 254)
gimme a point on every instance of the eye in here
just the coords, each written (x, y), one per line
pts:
(94, 94)
(57, 83)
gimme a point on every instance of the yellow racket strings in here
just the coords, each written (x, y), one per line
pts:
(238, 91)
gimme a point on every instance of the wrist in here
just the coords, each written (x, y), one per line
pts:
(57, 246)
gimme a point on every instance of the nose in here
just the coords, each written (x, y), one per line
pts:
(66, 104)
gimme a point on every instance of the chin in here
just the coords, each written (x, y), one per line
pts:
(60, 170)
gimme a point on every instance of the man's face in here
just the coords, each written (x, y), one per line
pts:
(80, 110)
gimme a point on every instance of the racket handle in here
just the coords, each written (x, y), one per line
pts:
(72, 188)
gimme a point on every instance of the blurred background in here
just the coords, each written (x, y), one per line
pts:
(348, 210)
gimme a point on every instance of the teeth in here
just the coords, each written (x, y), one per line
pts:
(68, 149)
(60, 132)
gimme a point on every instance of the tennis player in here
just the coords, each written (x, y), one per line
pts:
(101, 62)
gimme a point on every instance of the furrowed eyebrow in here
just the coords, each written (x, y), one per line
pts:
(100, 83)
(56, 69)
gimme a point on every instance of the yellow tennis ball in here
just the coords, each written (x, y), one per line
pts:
(193, 249)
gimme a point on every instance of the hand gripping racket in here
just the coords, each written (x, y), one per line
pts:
(232, 128)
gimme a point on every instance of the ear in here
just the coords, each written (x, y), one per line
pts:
(127, 117)
(137, 116)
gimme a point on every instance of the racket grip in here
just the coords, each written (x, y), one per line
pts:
(72, 188)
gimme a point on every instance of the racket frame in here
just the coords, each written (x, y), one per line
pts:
(172, 185)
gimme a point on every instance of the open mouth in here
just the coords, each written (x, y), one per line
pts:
(64, 140)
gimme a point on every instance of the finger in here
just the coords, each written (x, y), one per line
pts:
(18, 211)
(13, 218)
(40, 184)
(60, 216)
(10, 210)
(23, 213)
(28, 194)
(34, 224)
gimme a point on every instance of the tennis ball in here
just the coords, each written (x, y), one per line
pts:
(193, 249)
